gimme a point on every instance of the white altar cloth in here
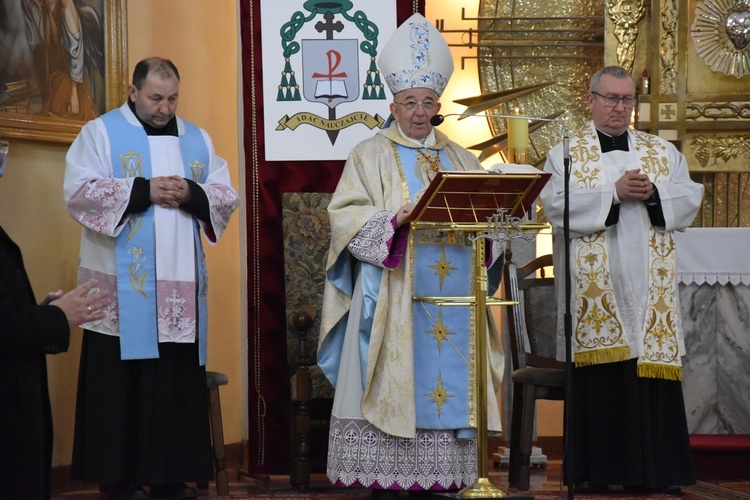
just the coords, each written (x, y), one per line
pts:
(713, 255)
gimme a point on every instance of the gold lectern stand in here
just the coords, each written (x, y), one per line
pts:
(489, 206)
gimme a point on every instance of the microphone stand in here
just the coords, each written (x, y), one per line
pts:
(568, 328)
(567, 316)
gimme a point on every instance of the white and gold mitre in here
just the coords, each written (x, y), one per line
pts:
(416, 56)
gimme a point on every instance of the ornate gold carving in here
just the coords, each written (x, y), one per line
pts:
(626, 14)
(526, 43)
(743, 202)
(668, 47)
(721, 33)
(718, 111)
(721, 148)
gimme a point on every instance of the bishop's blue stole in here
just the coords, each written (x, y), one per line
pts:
(442, 336)
(135, 246)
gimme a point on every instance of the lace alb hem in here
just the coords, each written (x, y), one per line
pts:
(361, 455)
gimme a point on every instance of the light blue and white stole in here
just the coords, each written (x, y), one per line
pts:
(135, 246)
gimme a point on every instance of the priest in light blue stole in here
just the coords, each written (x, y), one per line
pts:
(147, 187)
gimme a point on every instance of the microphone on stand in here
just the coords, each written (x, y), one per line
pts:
(439, 119)
(567, 317)
(568, 323)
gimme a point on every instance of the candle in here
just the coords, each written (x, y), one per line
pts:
(518, 139)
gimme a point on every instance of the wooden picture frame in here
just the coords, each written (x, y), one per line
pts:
(112, 81)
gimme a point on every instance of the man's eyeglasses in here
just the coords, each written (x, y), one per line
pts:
(412, 105)
(611, 101)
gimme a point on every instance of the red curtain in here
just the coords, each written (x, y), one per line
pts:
(268, 377)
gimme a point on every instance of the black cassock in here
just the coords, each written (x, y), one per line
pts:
(27, 333)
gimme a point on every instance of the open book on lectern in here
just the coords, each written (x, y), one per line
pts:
(473, 196)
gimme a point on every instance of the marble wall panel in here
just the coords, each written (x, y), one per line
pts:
(698, 305)
(716, 374)
(733, 374)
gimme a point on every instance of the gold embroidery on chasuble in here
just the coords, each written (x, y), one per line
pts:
(439, 394)
(401, 174)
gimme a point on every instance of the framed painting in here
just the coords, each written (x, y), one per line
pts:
(65, 63)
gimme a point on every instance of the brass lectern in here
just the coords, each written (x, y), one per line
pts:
(489, 206)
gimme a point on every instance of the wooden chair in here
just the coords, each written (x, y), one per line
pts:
(306, 241)
(532, 325)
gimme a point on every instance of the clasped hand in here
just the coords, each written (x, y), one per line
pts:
(633, 185)
(169, 192)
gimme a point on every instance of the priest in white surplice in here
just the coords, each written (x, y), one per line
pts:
(403, 412)
(629, 191)
(145, 184)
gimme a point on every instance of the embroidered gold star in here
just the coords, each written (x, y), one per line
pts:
(439, 395)
(442, 268)
(440, 331)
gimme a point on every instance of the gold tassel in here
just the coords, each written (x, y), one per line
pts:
(667, 372)
(601, 356)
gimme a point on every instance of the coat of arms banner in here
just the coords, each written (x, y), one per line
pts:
(322, 88)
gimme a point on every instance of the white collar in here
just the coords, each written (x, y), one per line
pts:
(427, 142)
